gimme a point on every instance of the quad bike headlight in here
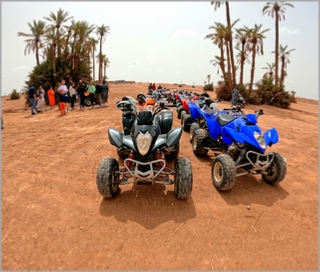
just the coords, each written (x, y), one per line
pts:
(260, 139)
(144, 142)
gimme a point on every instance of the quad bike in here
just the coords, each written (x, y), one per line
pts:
(241, 144)
(87, 100)
(183, 108)
(130, 110)
(146, 163)
(202, 107)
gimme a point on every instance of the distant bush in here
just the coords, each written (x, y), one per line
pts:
(14, 95)
(223, 92)
(208, 87)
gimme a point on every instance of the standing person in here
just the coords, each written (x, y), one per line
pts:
(32, 96)
(81, 90)
(65, 97)
(72, 92)
(104, 93)
(154, 86)
(91, 90)
(62, 90)
(235, 96)
(41, 101)
(52, 101)
(98, 94)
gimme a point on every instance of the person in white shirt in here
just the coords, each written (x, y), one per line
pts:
(63, 90)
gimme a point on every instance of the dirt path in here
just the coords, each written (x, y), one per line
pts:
(54, 218)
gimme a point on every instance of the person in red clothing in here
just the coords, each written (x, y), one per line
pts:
(154, 86)
(52, 101)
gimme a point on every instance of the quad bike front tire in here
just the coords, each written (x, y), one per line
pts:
(183, 113)
(174, 154)
(193, 128)
(197, 142)
(87, 102)
(107, 180)
(186, 125)
(179, 110)
(277, 170)
(183, 179)
(223, 172)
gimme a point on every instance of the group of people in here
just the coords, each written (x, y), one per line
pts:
(98, 94)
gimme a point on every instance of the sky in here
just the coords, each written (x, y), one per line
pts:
(163, 42)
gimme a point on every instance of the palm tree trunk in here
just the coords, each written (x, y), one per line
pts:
(105, 70)
(252, 67)
(242, 65)
(231, 45)
(282, 72)
(223, 69)
(277, 48)
(37, 52)
(54, 68)
(229, 66)
(93, 65)
(100, 60)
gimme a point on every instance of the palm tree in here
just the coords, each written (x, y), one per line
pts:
(276, 9)
(255, 45)
(34, 39)
(106, 64)
(208, 78)
(102, 31)
(284, 57)
(58, 20)
(270, 68)
(217, 62)
(242, 57)
(242, 38)
(218, 38)
(229, 27)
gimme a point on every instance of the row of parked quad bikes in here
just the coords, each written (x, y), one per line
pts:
(148, 142)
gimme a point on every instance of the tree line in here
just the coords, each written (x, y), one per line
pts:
(248, 43)
(65, 48)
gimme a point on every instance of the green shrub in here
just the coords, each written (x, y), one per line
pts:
(208, 87)
(14, 95)
(223, 92)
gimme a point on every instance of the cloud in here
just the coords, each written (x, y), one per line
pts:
(19, 68)
(178, 72)
(287, 30)
(189, 33)
(160, 70)
(134, 63)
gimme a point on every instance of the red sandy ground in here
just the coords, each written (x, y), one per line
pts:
(54, 218)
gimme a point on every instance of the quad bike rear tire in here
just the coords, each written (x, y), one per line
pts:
(197, 142)
(107, 180)
(183, 113)
(223, 172)
(277, 170)
(193, 128)
(186, 125)
(183, 179)
(179, 110)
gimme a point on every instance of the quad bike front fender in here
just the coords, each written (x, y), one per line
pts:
(229, 135)
(173, 136)
(118, 139)
(271, 136)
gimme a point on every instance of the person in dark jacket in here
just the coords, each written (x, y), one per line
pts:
(98, 94)
(81, 90)
(104, 93)
(32, 96)
(235, 96)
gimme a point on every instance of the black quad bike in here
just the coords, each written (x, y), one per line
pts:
(149, 140)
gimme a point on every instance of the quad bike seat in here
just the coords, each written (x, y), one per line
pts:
(164, 120)
(224, 119)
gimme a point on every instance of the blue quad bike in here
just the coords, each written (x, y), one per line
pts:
(241, 143)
